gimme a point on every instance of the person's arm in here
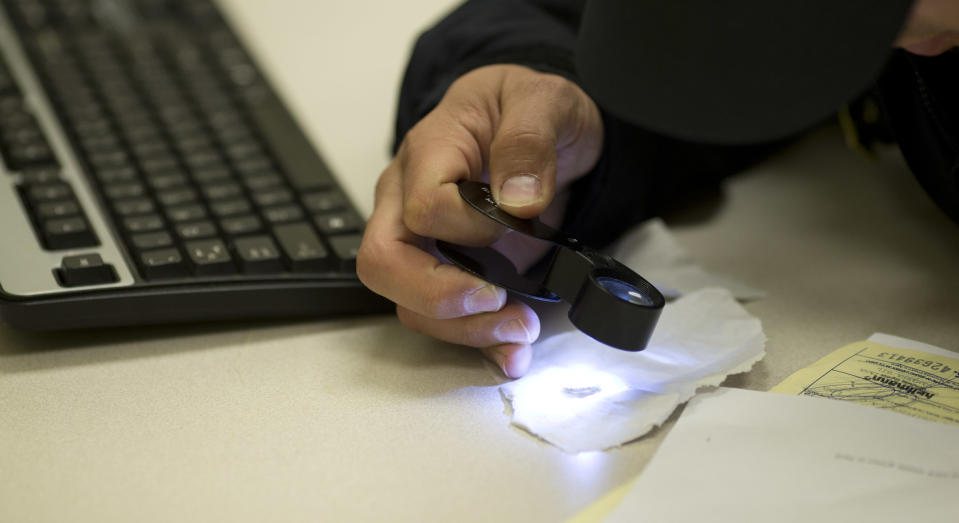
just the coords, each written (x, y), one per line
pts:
(487, 97)
(539, 34)
(640, 174)
(490, 93)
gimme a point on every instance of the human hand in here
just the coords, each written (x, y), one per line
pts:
(531, 134)
(931, 28)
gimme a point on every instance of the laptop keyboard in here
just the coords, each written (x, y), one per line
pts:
(196, 170)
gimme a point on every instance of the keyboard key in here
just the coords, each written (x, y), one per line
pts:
(40, 175)
(283, 214)
(48, 193)
(20, 156)
(151, 240)
(241, 225)
(85, 269)
(338, 223)
(133, 207)
(163, 263)
(57, 209)
(110, 160)
(346, 247)
(184, 129)
(272, 197)
(142, 133)
(168, 180)
(90, 111)
(137, 118)
(68, 233)
(100, 143)
(203, 160)
(266, 180)
(226, 119)
(211, 174)
(155, 156)
(221, 191)
(153, 166)
(234, 135)
(302, 247)
(326, 201)
(258, 255)
(241, 150)
(174, 197)
(253, 166)
(8, 86)
(186, 213)
(210, 257)
(151, 149)
(193, 144)
(119, 191)
(230, 208)
(93, 128)
(21, 135)
(175, 112)
(146, 223)
(195, 230)
(295, 154)
(116, 174)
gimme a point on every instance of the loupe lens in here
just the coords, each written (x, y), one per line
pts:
(624, 291)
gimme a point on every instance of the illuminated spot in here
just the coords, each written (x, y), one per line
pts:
(581, 392)
(565, 393)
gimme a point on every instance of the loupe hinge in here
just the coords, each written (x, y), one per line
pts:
(569, 270)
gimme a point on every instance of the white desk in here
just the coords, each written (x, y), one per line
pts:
(360, 419)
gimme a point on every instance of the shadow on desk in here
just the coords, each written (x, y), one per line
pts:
(370, 351)
(22, 350)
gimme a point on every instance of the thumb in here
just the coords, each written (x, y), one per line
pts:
(548, 130)
(522, 164)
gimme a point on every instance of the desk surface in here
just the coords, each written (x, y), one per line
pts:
(360, 419)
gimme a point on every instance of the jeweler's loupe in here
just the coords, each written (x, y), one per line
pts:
(607, 300)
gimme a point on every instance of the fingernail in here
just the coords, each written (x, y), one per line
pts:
(487, 298)
(521, 190)
(512, 331)
(501, 360)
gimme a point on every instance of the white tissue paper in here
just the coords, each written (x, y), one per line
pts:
(653, 252)
(582, 395)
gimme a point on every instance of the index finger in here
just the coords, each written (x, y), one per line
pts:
(392, 264)
(435, 155)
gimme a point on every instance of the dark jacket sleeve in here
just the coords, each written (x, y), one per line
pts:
(539, 34)
(640, 174)
(920, 103)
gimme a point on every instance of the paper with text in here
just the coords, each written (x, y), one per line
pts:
(918, 383)
(743, 456)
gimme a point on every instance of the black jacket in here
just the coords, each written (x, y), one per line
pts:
(641, 173)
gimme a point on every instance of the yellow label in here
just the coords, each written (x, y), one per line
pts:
(908, 381)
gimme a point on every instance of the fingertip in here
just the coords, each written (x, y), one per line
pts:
(517, 362)
(513, 358)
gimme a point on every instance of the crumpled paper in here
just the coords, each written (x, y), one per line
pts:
(652, 251)
(582, 395)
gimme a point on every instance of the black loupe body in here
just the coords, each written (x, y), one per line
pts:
(608, 301)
